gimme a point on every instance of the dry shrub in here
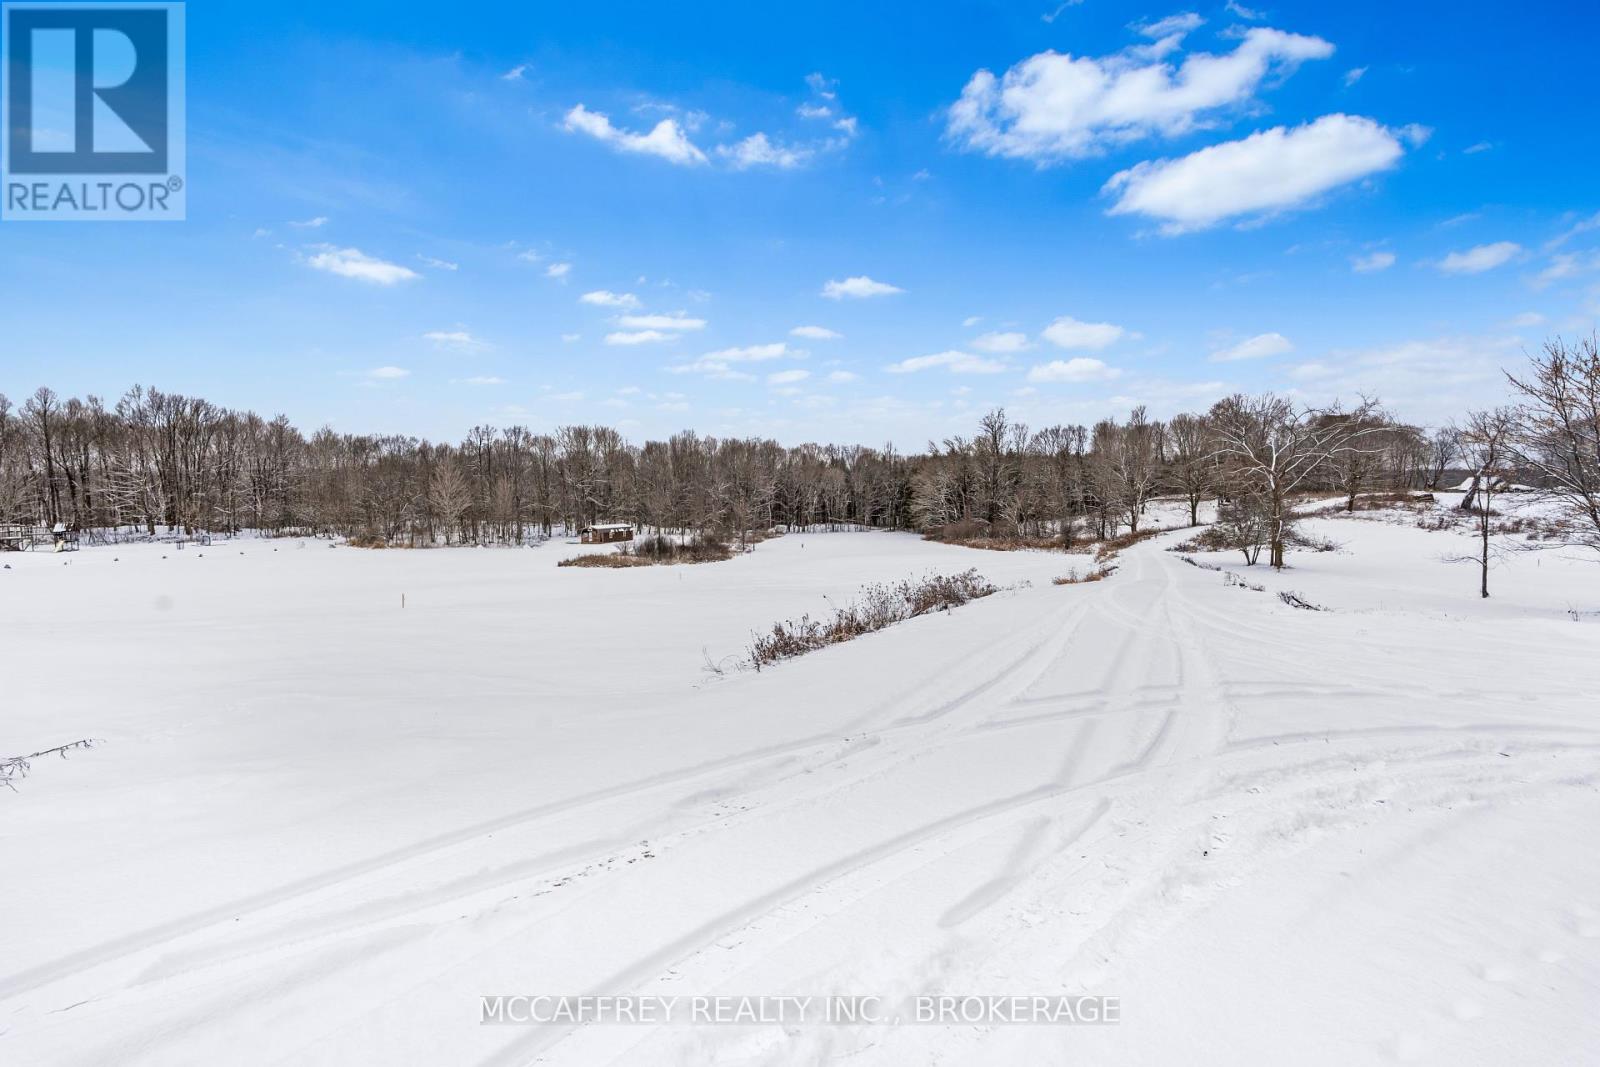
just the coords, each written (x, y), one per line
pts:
(1107, 550)
(976, 533)
(878, 607)
(654, 551)
(1210, 539)
(1095, 574)
(605, 559)
(367, 541)
(1297, 538)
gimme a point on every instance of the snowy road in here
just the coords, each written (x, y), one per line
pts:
(1275, 834)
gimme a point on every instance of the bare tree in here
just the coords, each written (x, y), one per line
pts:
(1191, 470)
(449, 496)
(1273, 449)
(1486, 444)
(1559, 436)
(1444, 448)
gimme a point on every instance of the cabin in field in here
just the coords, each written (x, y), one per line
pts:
(602, 532)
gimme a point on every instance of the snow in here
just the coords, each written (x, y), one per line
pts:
(322, 825)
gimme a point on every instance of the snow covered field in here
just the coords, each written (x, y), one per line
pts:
(323, 825)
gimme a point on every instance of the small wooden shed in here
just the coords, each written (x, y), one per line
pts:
(602, 532)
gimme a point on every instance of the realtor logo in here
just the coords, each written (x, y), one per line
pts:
(93, 111)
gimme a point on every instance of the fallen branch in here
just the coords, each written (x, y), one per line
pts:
(13, 767)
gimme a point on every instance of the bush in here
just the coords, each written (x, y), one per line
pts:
(1096, 574)
(1108, 549)
(656, 550)
(976, 533)
(878, 607)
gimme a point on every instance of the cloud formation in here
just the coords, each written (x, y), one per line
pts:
(1268, 172)
(1480, 258)
(675, 321)
(354, 263)
(605, 298)
(1053, 106)
(815, 333)
(666, 140)
(1372, 262)
(1078, 369)
(858, 288)
(458, 339)
(1068, 332)
(1261, 346)
(997, 342)
(953, 361)
(758, 150)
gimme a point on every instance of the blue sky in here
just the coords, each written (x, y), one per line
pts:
(414, 218)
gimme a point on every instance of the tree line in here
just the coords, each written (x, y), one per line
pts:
(157, 460)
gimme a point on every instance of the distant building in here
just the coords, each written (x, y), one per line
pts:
(602, 532)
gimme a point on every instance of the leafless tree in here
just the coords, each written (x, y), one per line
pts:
(1192, 467)
(1272, 448)
(1558, 438)
(1486, 444)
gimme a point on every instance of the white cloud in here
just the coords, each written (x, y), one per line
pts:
(1180, 25)
(1372, 262)
(787, 377)
(558, 271)
(387, 373)
(815, 333)
(1353, 75)
(857, 288)
(457, 339)
(1474, 149)
(637, 337)
(1528, 318)
(605, 298)
(752, 353)
(954, 362)
(567, 398)
(1430, 380)
(1055, 12)
(1068, 332)
(311, 224)
(438, 264)
(1563, 265)
(515, 73)
(1261, 346)
(814, 111)
(676, 321)
(972, 320)
(1582, 226)
(1079, 369)
(758, 150)
(480, 380)
(1267, 172)
(1233, 7)
(1480, 258)
(354, 263)
(1001, 342)
(666, 140)
(1054, 106)
(839, 377)
(570, 337)
(719, 364)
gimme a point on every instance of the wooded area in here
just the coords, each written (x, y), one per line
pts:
(160, 460)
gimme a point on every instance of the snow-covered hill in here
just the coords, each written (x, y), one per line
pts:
(322, 825)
